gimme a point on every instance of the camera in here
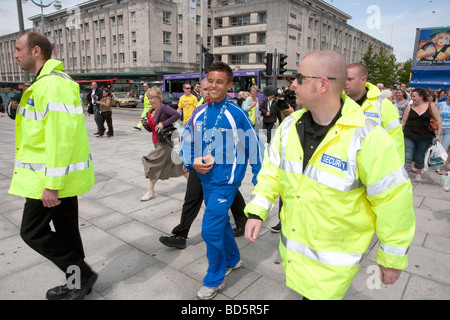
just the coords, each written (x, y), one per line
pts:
(284, 99)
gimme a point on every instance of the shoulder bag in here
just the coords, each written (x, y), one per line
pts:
(433, 126)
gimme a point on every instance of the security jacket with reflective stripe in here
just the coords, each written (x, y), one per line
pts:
(383, 112)
(52, 145)
(353, 184)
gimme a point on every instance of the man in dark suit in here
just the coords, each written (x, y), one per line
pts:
(95, 95)
(269, 113)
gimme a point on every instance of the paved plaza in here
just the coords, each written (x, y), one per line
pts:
(121, 234)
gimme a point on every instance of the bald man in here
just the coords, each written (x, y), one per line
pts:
(374, 104)
(339, 178)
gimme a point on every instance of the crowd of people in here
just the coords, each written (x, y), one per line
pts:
(337, 165)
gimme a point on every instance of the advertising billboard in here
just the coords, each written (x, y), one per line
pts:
(432, 48)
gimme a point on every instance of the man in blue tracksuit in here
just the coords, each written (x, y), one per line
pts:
(218, 142)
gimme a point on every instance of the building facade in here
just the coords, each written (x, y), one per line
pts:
(148, 38)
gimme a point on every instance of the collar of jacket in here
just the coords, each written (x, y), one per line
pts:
(352, 115)
(217, 105)
(50, 66)
(372, 91)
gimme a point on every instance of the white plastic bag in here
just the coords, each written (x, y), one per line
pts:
(435, 156)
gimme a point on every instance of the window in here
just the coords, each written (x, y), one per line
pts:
(103, 41)
(134, 56)
(180, 57)
(167, 37)
(102, 24)
(120, 20)
(198, 20)
(299, 39)
(121, 39)
(133, 36)
(166, 17)
(239, 58)
(133, 17)
(114, 40)
(240, 21)
(113, 21)
(115, 58)
(167, 56)
(180, 19)
(240, 40)
(104, 59)
(180, 38)
(122, 57)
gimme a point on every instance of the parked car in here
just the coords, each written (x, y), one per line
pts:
(170, 100)
(121, 99)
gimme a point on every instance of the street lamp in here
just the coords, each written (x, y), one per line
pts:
(57, 4)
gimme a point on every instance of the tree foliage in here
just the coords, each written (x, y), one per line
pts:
(383, 68)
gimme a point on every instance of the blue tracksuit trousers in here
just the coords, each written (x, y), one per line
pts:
(221, 248)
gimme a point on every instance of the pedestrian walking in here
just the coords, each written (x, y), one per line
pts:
(336, 189)
(53, 164)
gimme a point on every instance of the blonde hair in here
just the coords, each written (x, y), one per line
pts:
(241, 94)
(254, 87)
(155, 92)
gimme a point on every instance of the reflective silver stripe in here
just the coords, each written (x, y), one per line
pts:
(355, 147)
(51, 106)
(379, 103)
(61, 107)
(30, 114)
(273, 156)
(330, 258)
(53, 172)
(399, 251)
(394, 178)
(331, 180)
(29, 166)
(285, 126)
(292, 166)
(394, 124)
(262, 202)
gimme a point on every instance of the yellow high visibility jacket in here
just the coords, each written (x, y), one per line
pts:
(353, 184)
(383, 112)
(52, 146)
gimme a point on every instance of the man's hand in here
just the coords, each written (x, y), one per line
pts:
(389, 275)
(252, 228)
(50, 198)
(201, 167)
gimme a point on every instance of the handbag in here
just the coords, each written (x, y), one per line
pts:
(165, 135)
(433, 126)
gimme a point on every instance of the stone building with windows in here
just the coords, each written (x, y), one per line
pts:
(148, 38)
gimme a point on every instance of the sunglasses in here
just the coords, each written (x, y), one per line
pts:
(299, 77)
(188, 88)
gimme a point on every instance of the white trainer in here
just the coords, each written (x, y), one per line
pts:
(208, 293)
(237, 266)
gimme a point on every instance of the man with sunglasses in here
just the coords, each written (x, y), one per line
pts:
(339, 176)
(374, 104)
(187, 102)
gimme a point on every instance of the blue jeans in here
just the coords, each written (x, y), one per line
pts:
(415, 149)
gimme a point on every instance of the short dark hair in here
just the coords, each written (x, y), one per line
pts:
(222, 67)
(36, 39)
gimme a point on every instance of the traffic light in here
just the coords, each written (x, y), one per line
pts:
(281, 68)
(268, 63)
(209, 59)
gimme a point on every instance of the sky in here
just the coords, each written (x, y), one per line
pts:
(391, 21)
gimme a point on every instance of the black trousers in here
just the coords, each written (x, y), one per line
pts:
(63, 246)
(105, 116)
(193, 200)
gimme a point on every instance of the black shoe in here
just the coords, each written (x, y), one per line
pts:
(57, 293)
(95, 133)
(277, 228)
(137, 128)
(173, 241)
(238, 232)
(86, 288)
